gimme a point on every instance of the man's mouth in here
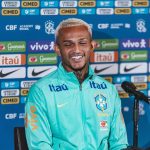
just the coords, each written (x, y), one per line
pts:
(77, 58)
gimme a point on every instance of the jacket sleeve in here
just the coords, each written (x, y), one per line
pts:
(37, 127)
(118, 134)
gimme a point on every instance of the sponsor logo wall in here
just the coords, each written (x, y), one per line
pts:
(121, 27)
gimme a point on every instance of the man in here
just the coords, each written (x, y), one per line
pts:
(72, 108)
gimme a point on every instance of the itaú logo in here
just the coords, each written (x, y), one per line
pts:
(58, 88)
(97, 85)
(13, 59)
(104, 56)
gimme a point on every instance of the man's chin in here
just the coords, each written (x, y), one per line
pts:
(78, 67)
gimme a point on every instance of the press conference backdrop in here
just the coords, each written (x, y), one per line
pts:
(121, 27)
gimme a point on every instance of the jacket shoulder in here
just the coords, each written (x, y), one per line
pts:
(51, 77)
(101, 79)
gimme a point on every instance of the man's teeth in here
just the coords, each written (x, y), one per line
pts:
(77, 57)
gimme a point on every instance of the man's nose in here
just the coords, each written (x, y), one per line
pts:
(77, 48)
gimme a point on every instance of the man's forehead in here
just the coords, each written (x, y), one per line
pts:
(75, 33)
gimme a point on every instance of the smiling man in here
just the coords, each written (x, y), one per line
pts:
(72, 108)
(74, 45)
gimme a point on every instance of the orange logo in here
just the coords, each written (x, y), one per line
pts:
(31, 119)
(122, 11)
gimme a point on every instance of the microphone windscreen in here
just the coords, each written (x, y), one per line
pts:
(129, 87)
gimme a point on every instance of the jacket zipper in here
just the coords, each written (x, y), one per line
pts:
(83, 114)
(80, 87)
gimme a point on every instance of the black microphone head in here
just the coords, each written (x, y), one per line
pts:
(128, 87)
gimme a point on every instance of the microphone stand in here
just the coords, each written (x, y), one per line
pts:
(135, 125)
(130, 88)
(135, 122)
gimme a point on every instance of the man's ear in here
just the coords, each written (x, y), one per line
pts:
(94, 44)
(56, 49)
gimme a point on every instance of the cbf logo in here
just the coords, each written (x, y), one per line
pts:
(49, 27)
(140, 26)
(101, 103)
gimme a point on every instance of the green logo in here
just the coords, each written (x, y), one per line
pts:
(107, 44)
(11, 47)
(41, 59)
(138, 55)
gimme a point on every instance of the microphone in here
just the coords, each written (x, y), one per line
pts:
(130, 88)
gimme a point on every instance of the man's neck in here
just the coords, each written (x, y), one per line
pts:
(81, 75)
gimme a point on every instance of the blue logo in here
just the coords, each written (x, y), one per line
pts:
(105, 4)
(49, 3)
(140, 10)
(120, 79)
(101, 103)
(49, 27)
(10, 84)
(58, 88)
(97, 85)
(30, 11)
(41, 46)
(87, 11)
(23, 99)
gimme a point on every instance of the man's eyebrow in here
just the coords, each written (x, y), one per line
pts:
(67, 41)
(73, 41)
(83, 39)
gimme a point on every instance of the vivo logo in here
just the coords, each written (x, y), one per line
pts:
(40, 46)
(134, 43)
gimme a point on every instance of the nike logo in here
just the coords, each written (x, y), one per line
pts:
(37, 73)
(100, 70)
(62, 105)
(129, 69)
(2, 75)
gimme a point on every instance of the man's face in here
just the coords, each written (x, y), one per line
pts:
(74, 46)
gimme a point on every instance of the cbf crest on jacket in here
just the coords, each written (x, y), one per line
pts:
(62, 114)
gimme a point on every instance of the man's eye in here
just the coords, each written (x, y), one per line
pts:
(67, 44)
(83, 43)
